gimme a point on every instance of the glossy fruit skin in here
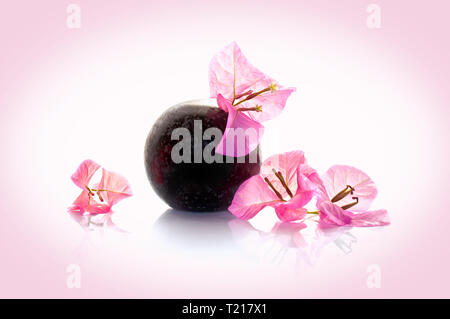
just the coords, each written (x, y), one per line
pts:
(198, 187)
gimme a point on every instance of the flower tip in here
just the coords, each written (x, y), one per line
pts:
(273, 87)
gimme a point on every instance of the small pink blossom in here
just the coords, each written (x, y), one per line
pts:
(248, 95)
(345, 198)
(285, 183)
(99, 198)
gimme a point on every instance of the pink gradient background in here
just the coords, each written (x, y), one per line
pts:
(377, 99)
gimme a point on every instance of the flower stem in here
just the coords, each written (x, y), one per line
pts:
(243, 94)
(351, 204)
(283, 182)
(104, 190)
(274, 189)
(89, 190)
(252, 95)
(342, 194)
(256, 109)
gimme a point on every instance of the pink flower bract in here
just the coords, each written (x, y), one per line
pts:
(286, 183)
(252, 97)
(244, 132)
(357, 191)
(110, 190)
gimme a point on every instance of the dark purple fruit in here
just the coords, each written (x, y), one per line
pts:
(203, 186)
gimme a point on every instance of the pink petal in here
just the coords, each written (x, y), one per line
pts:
(230, 73)
(225, 104)
(83, 205)
(308, 180)
(252, 196)
(286, 163)
(84, 173)
(370, 218)
(339, 176)
(333, 214)
(116, 186)
(272, 104)
(242, 134)
(293, 209)
(80, 204)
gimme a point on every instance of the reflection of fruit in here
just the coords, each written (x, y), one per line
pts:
(193, 186)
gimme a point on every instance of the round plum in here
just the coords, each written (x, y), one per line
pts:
(193, 185)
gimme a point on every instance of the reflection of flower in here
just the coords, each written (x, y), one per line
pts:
(97, 222)
(340, 236)
(246, 94)
(111, 189)
(97, 230)
(285, 240)
(289, 234)
(286, 183)
(346, 187)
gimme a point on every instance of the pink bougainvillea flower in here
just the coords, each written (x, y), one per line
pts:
(286, 183)
(99, 198)
(345, 199)
(248, 95)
